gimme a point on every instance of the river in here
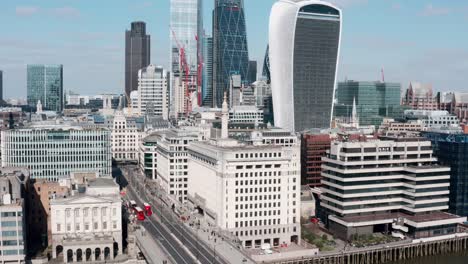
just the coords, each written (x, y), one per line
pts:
(460, 258)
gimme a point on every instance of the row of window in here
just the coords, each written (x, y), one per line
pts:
(86, 211)
(87, 226)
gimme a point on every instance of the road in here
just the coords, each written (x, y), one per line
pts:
(160, 233)
(165, 217)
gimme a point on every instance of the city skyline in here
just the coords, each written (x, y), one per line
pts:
(401, 44)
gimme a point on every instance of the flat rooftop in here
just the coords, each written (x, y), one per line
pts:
(433, 216)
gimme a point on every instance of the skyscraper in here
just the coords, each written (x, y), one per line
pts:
(45, 84)
(207, 71)
(266, 65)
(186, 32)
(304, 48)
(252, 73)
(230, 52)
(137, 55)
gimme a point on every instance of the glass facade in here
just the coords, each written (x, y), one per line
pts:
(1, 85)
(137, 55)
(252, 75)
(230, 52)
(186, 25)
(45, 84)
(316, 46)
(266, 65)
(207, 90)
(374, 101)
(452, 150)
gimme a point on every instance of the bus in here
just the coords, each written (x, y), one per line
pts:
(140, 214)
(148, 210)
(133, 204)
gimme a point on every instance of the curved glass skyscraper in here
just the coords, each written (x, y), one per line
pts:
(230, 52)
(304, 48)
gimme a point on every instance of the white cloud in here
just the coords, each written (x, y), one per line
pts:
(26, 10)
(67, 12)
(431, 10)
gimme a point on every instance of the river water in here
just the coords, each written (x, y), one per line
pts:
(460, 258)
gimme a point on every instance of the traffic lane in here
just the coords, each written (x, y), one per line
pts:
(169, 243)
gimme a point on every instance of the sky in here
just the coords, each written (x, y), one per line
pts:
(417, 40)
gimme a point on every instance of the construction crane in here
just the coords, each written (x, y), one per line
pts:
(199, 72)
(184, 70)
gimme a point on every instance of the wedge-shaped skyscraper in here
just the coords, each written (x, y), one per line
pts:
(304, 48)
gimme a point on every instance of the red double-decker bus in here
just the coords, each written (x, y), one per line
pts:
(148, 210)
(140, 214)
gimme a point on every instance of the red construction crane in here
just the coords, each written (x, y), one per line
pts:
(199, 72)
(184, 70)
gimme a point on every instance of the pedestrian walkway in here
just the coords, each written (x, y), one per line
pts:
(217, 243)
(150, 248)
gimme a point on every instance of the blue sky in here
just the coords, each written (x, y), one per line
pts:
(419, 40)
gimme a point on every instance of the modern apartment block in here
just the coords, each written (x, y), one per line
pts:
(451, 150)
(249, 189)
(12, 215)
(374, 101)
(304, 45)
(314, 147)
(387, 185)
(137, 54)
(153, 91)
(420, 96)
(45, 84)
(172, 161)
(52, 152)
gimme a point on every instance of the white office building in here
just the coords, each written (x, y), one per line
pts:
(389, 185)
(172, 160)
(249, 189)
(434, 118)
(153, 91)
(125, 138)
(52, 152)
(87, 226)
(245, 115)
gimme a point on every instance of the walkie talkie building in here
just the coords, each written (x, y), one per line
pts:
(304, 48)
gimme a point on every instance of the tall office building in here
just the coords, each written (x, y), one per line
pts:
(374, 101)
(45, 84)
(207, 71)
(304, 48)
(230, 52)
(137, 55)
(252, 73)
(186, 31)
(1, 86)
(153, 91)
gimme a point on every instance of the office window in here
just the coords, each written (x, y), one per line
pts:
(58, 227)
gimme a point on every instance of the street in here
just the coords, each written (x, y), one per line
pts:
(163, 223)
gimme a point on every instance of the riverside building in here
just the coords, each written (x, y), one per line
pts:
(52, 152)
(388, 185)
(249, 189)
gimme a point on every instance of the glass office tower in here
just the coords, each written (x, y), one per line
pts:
(230, 52)
(45, 84)
(374, 101)
(304, 49)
